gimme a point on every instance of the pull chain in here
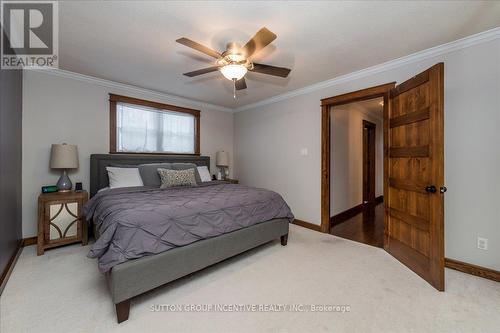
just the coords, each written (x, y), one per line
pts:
(234, 88)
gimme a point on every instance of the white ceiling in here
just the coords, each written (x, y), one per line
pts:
(133, 42)
(372, 107)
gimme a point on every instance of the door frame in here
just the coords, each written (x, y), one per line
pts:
(369, 158)
(326, 104)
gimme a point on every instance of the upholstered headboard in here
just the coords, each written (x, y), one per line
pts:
(99, 162)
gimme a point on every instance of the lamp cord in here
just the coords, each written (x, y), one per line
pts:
(234, 88)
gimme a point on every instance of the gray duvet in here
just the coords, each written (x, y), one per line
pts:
(139, 221)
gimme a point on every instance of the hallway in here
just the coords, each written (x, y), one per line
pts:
(366, 227)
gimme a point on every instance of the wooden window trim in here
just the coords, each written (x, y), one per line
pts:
(114, 99)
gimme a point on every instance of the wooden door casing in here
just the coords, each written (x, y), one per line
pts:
(414, 160)
(369, 148)
(383, 91)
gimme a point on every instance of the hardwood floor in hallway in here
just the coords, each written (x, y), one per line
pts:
(366, 227)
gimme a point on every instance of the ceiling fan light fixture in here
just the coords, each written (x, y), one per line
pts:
(236, 60)
(233, 72)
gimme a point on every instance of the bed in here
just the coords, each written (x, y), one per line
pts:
(195, 226)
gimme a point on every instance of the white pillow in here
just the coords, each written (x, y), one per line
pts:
(204, 174)
(124, 177)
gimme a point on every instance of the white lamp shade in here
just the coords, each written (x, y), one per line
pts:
(222, 159)
(64, 156)
(233, 72)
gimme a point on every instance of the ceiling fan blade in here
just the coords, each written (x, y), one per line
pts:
(270, 70)
(261, 39)
(241, 84)
(202, 71)
(197, 46)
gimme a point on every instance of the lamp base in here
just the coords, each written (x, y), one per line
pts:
(64, 183)
(223, 171)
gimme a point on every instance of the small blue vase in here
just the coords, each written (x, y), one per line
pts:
(64, 183)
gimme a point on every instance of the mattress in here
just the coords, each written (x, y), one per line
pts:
(136, 222)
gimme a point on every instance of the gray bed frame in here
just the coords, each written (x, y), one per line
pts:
(135, 277)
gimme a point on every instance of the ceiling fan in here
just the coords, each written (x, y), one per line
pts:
(236, 61)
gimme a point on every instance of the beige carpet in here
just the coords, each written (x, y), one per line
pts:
(62, 291)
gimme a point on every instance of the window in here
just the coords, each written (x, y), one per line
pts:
(139, 126)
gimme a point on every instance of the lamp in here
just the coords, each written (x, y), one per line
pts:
(64, 156)
(222, 161)
(233, 72)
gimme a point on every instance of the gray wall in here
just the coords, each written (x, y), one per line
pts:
(269, 138)
(10, 163)
(346, 155)
(75, 109)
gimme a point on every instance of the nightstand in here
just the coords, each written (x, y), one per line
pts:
(232, 181)
(59, 219)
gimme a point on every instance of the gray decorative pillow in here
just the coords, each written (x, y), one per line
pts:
(171, 178)
(184, 166)
(149, 173)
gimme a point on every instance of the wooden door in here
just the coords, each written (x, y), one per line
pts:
(369, 130)
(414, 175)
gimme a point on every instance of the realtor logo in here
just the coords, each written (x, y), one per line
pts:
(29, 34)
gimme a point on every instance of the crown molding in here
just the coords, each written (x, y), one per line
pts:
(459, 44)
(482, 37)
(169, 98)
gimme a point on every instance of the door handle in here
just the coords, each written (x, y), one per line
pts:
(443, 189)
(431, 189)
